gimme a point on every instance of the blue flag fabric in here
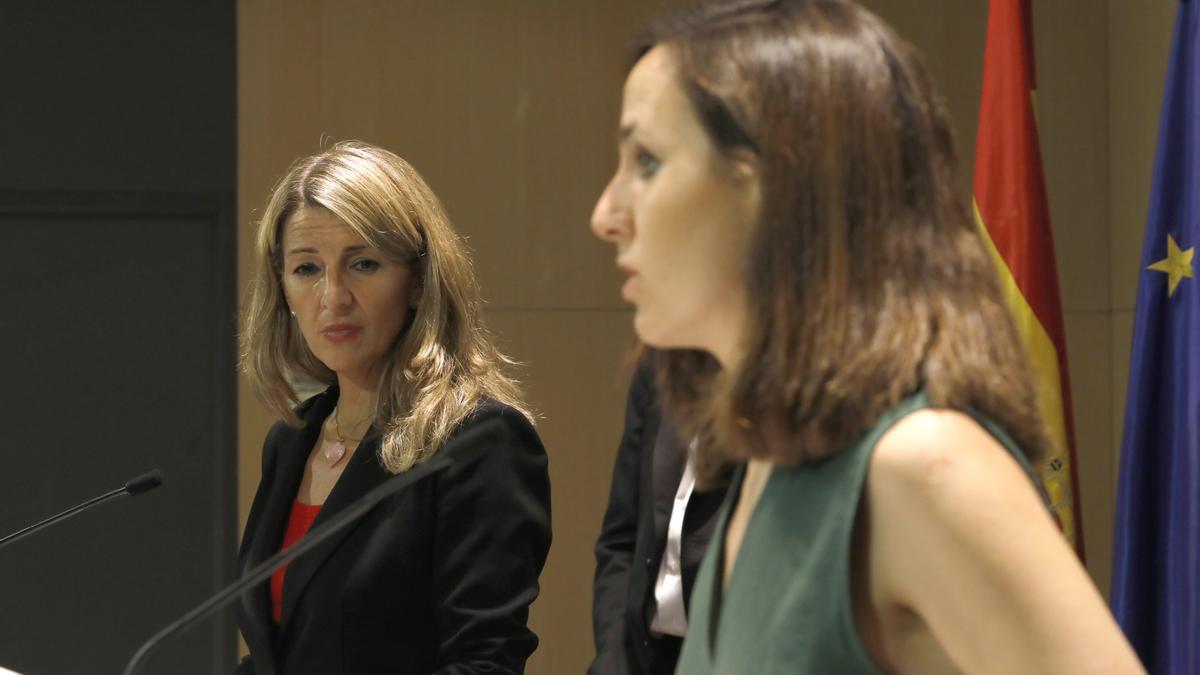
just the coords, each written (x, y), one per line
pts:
(1156, 572)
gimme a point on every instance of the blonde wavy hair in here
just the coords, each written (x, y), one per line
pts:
(442, 363)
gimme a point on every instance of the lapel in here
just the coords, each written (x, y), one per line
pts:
(669, 458)
(362, 474)
(291, 450)
(290, 458)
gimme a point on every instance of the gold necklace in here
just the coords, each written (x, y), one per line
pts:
(336, 451)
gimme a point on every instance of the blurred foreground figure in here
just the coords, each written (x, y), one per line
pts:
(786, 208)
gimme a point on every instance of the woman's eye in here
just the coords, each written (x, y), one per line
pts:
(305, 269)
(647, 163)
(364, 265)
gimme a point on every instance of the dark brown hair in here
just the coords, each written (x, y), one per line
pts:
(866, 277)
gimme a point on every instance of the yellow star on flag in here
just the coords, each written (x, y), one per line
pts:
(1177, 264)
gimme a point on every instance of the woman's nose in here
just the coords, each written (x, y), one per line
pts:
(611, 219)
(335, 294)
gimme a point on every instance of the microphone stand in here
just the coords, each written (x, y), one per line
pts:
(461, 449)
(135, 486)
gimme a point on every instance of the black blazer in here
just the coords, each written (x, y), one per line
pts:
(436, 579)
(649, 466)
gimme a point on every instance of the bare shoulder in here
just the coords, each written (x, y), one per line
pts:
(938, 481)
(940, 458)
(954, 524)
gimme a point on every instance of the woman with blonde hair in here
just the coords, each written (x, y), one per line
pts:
(361, 285)
(786, 206)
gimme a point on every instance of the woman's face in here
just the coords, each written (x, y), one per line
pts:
(680, 217)
(349, 299)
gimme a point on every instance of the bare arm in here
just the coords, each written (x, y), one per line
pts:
(959, 536)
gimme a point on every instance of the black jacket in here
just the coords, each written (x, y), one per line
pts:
(436, 579)
(650, 463)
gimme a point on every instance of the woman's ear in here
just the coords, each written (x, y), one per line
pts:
(745, 171)
(744, 165)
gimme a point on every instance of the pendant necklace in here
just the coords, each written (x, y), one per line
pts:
(335, 451)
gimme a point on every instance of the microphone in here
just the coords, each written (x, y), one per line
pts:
(144, 483)
(134, 486)
(460, 450)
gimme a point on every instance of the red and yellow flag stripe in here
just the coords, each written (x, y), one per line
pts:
(1012, 212)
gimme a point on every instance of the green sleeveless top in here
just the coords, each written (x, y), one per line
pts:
(787, 608)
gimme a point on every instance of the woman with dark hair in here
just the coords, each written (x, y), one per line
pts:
(362, 285)
(786, 207)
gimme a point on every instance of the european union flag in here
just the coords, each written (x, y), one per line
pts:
(1156, 576)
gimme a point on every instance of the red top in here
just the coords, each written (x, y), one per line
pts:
(298, 523)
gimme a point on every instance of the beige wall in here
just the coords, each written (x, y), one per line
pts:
(509, 110)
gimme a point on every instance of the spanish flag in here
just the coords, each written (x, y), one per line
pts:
(1012, 213)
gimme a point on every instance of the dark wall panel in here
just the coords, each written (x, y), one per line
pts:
(117, 359)
(117, 327)
(117, 95)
